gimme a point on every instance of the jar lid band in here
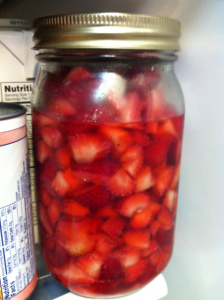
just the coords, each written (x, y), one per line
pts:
(107, 31)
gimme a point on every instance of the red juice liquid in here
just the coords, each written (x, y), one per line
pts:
(107, 197)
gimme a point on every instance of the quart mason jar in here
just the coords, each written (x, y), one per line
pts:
(108, 119)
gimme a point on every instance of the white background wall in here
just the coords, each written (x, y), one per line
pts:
(196, 271)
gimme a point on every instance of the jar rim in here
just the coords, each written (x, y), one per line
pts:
(107, 31)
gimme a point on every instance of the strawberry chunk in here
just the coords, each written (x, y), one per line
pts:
(145, 179)
(111, 269)
(74, 208)
(130, 205)
(94, 198)
(127, 256)
(120, 184)
(91, 264)
(132, 273)
(157, 150)
(54, 211)
(120, 138)
(62, 106)
(141, 219)
(52, 137)
(114, 226)
(139, 238)
(43, 151)
(44, 219)
(57, 256)
(65, 182)
(78, 74)
(165, 219)
(170, 201)
(87, 148)
(132, 160)
(44, 120)
(63, 157)
(163, 181)
(131, 112)
(140, 138)
(105, 244)
(48, 170)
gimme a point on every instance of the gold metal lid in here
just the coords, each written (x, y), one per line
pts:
(106, 31)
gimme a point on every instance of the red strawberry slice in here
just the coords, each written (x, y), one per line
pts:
(142, 219)
(52, 137)
(120, 184)
(87, 148)
(94, 198)
(65, 182)
(78, 74)
(127, 256)
(157, 150)
(63, 157)
(170, 201)
(48, 170)
(167, 126)
(54, 211)
(131, 112)
(44, 120)
(73, 208)
(152, 127)
(43, 195)
(132, 273)
(165, 219)
(145, 179)
(153, 248)
(105, 244)
(175, 180)
(70, 274)
(130, 205)
(132, 160)
(139, 238)
(163, 181)
(120, 138)
(111, 269)
(114, 226)
(44, 219)
(43, 151)
(91, 264)
(62, 107)
(107, 212)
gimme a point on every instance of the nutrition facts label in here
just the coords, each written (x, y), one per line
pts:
(20, 92)
(17, 257)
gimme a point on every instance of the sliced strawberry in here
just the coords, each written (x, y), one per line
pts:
(130, 205)
(127, 256)
(163, 181)
(111, 269)
(165, 219)
(120, 184)
(153, 248)
(54, 211)
(91, 264)
(178, 125)
(157, 150)
(170, 201)
(174, 154)
(48, 170)
(44, 120)
(143, 218)
(141, 138)
(78, 74)
(114, 226)
(145, 179)
(154, 227)
(70, 274)
(52, 137)
(105, 244)
(175, 180)
(63, 157)
(43, 151)
(71, 207)
(95, 198)
(132, 273)
(62, 106)
(167, 126)
(131, 112)
(152, 127)
(43, 195)
(87, 148)
(120, 138)
(139, 238)
(44, 219)
(65, 182)
(107, 212)
(132, 160)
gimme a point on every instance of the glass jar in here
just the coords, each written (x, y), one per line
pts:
(108, 117)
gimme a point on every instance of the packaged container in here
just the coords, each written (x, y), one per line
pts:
(18, 69)
(18, 273)
(108, 116)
